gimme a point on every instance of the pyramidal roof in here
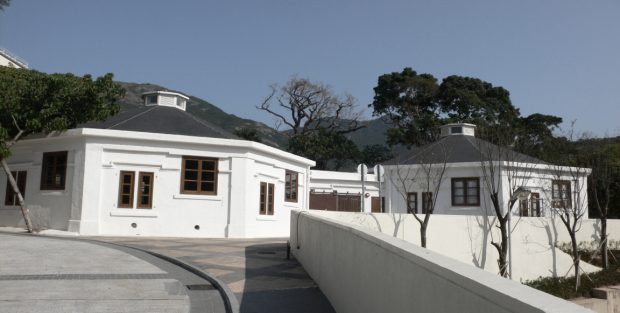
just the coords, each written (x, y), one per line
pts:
(160, 119)
(459, 148)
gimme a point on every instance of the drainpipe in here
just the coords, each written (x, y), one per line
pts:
(307, 193)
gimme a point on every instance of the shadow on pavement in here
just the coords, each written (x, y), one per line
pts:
(274, 284)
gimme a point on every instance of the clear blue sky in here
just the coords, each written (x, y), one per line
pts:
(556, 57)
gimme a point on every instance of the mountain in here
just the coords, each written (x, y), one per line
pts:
(206, 111)
(373, 133)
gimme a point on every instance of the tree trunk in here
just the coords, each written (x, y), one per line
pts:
(575, 260)
(503, 256)
(423, 235)
(20, 198)
(604, 257)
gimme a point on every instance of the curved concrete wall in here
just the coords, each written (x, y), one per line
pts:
(361, 270)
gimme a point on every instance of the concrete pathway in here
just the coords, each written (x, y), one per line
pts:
(256, 270)
(42, 274)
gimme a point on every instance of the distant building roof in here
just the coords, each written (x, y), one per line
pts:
(459, 149)
(160, 119)
(13, 58)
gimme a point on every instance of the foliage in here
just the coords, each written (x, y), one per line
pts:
(564, 287)
(330, 149)
(35, 102)
(374, 154)
(417, 104)
(248, 134)
(4, 3)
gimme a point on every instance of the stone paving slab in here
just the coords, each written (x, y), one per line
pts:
(118, 289)
(95, 306)
(30, 255)
(256, 270)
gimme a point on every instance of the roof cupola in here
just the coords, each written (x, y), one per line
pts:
(463, 129)
(165, 98)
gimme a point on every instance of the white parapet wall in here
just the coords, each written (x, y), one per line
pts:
(468, 239)
(363, 270)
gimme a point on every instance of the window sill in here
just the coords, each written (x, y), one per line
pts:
(266, 218)
(52, 192)
(197, 197)
(292, 204)
(133, 213)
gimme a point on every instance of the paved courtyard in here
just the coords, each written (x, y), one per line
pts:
(257, 270)
(43, 274)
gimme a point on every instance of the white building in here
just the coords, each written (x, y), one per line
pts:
(464, 190)
(9, 59)
(155, 170)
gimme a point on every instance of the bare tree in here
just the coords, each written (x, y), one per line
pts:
(305, 106)
(568, 201)
(505, 175)
(600, 183)
(425, 170)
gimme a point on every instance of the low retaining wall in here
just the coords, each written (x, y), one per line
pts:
(468, 239)
(361, 270)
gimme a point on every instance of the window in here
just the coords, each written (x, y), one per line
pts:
(151, 99)
(466, 191)
(266, 198)
(54, 170)
(199, 176)
(290, 186)
(20, 180)
(412, 202)
(456, 130)
(561, 194)
(125, 189)
(427, 201)
(530, 207)
(145, 190)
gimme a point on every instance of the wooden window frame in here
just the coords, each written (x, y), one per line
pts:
(267, 192)
(535, 205)
(561, 203)
(45, 170)
(415, 197)
(139, 204)
(427, 198)
(466, 196)
(289, 188)
(132, 185)
(199, 180)
(10, 198)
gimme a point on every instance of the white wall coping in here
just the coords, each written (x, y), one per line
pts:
(512, 296)
(507, 165)
(157, 137)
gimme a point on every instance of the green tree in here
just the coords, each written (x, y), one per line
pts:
(34, 102)
(416, 104)
(330, 149)
(375, 154)
(4, 4)
(250, 134)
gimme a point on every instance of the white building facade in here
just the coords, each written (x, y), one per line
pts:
(472, 173)
(106, 181)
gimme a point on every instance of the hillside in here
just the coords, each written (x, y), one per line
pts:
(205, 111)
(373, 133)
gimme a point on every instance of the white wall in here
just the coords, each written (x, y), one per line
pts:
(345, 183)
(88, 204)
(361, 270)
(532, 177)
(468, 239)
(48, 208)
(233, 212)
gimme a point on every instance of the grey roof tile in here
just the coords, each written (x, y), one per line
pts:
(160, 119)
